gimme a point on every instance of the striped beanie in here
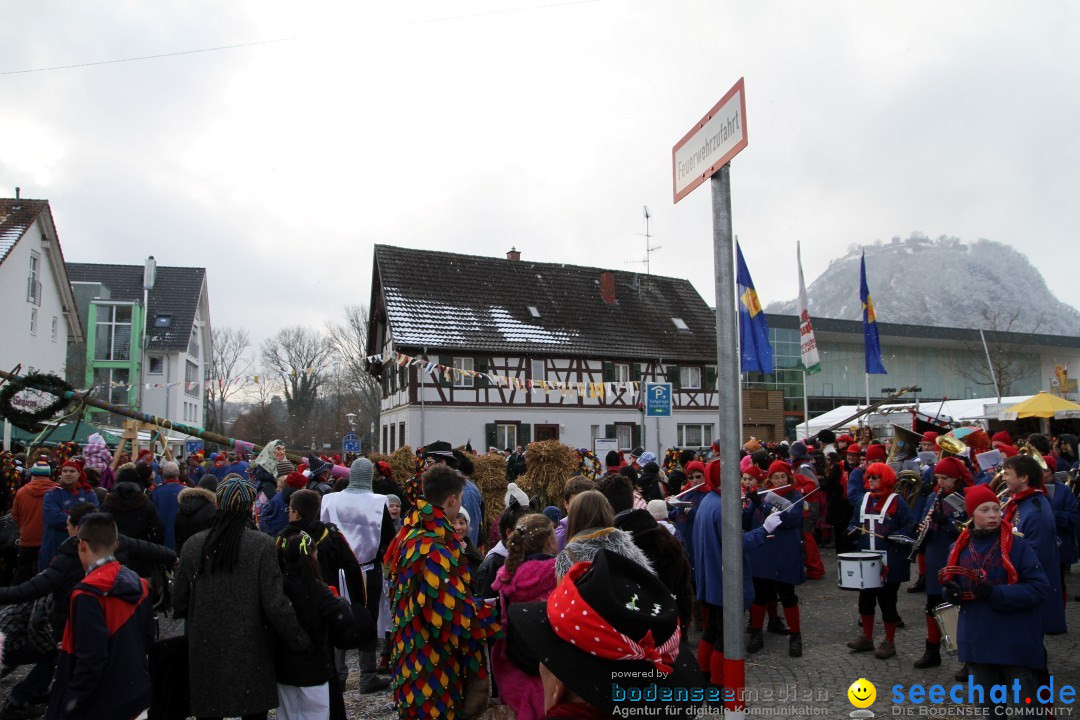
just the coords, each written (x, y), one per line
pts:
(41, 469)
(235, 494)
(284, 468)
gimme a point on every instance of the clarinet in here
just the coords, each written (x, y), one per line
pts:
(925, 532)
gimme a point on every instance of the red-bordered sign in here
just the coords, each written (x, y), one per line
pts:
(720, 136)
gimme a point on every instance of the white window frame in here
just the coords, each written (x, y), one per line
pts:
(542, 373)
(33, 280)
(191, 368)
(625, 433)
(55, 328)
(703, 430)
(33, 321)
(506, 435)
(689, 377)
(464, 363)
(122, 394)
(150, 365)
(622, 372)
(108, 312)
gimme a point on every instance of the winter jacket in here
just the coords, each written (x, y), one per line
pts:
(275, 514)
(683, 516)
(1034, 519)
(335, 557)
(709, 552)
(27, 510)
(780, 557)
(472, 556)
(196, 508)
(1067, 519)
(164, 497)
(532, 582)
(589, 542)
(321, 614)
(649, 486)
(560, 531)
(136, 517)
(258, 616)
(54, 509)
(942, 535)
(666, 555)
(898, 520)
(101, 671)
(1005, 629)
(65, 570)
(489, 569)
(473, 502)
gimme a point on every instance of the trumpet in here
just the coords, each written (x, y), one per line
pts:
(951, 445)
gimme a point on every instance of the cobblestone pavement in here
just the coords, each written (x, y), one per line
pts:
(816, 684)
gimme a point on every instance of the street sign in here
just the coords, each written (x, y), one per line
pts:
(657, 399)
(350, 444)
(718, 137)
(602, 446)
(192, 446)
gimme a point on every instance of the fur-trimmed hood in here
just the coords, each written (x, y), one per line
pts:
(585, 546)
(126, 496)
(193, 498)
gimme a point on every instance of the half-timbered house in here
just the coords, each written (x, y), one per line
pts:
(501, 351)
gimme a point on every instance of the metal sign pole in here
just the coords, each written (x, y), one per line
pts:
(727, 379)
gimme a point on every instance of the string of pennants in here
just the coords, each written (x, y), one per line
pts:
(447, 372)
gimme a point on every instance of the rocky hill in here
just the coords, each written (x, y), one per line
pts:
(943, 282)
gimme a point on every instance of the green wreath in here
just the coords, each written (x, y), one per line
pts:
(31, 421)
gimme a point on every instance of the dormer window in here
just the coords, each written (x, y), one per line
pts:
(533, 311)
(162, 321)
(680, 324)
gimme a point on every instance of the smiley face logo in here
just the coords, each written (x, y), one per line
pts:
(862, 693)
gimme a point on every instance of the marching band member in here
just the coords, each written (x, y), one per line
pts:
(776, 565)
(882, 515)
(1063, 503)
(940, 523)
(928, 443)
(997, 580)
(1029, 511)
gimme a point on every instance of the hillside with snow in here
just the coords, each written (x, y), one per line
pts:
(943, 282)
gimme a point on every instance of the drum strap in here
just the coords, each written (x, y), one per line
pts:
(875, 519)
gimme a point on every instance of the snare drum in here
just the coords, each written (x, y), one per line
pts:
(858, 570)
(947, 617)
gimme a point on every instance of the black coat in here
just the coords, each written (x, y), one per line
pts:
(649, 484)
(335, 555)
(136, 517)
(320, 613)
(65, 570)
(665, 553)
(197, 507)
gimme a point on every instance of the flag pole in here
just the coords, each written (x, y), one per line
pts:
(867, 389)
(805, 406)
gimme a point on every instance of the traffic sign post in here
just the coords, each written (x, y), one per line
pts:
(706, 152)
(192, 446)
(657, 399)
(350, 444)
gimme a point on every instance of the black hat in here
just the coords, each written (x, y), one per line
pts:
(439, 448)
(607, 620)
(317, 467)
(638, 451)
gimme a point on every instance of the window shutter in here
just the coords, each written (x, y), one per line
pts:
(673, 376)
(609, 431)
(710, 377)
(524, 434)
(481, 366)
(490, 436)
(635, 371)
(609, 371)
(442, 360)
(635, 435)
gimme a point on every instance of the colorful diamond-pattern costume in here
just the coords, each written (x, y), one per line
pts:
(439, 630)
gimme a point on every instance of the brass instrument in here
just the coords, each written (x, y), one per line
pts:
(1035, 455)
(908, 485)
(905, 445)
(951, 445)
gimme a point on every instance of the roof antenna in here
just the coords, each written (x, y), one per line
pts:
(16, 206)
(649, 247)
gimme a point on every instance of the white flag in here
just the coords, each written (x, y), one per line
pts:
(807, 343)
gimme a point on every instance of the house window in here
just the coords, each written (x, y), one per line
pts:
(690, 378)
(539, 370)
(33, 282)
(594, 432)
(193, 345)
(401, 434)
(622, 372)
(55, 327)
(191, 379)
(695, 436)
(679, 323)
(157, 365)
(33, 321)
(506, 436)
(625, 435)
(385, 442)
(113, 333)
(463, 380)
(534, 311)
(113, 384)
(162, 321)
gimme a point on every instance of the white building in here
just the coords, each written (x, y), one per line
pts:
(38, 315)
(515, 351)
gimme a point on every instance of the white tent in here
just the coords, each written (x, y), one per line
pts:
(948, 411)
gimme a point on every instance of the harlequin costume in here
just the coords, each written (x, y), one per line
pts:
(439, 630)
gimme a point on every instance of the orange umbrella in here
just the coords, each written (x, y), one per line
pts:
(1042, 405)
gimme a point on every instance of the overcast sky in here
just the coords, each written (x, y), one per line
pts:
(471, 126)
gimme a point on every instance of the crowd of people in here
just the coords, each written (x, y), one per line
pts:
(283, 569)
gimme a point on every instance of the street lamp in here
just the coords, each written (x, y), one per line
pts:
(351, 418)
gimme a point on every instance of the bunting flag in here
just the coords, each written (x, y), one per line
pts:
(807, 344)
(874, 365)
(753, 329)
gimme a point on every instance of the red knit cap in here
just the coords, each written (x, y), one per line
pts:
(712, 475)
(952, 467)
(695, 465)
(976, 496)
(929, 436)
(875, 452)
(1001, 437)
(853, 449)
(755, 472)
(1051, 462)
(845, 438)
(296, 480)
(886, 473)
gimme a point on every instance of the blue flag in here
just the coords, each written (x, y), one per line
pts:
(753, 329)
(869, 323)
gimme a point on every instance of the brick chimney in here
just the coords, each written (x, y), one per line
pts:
(607, 287)
(513, 254)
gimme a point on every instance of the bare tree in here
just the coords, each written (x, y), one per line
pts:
(297, 355)
(1010, 367)
(229, 369)
(349, 339)
(264, 417)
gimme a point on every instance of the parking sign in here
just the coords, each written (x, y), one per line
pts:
(658, 399)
